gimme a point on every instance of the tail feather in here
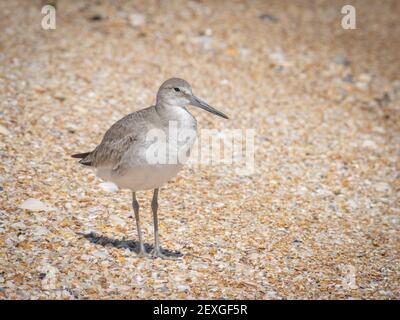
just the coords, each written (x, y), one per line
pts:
(80, 155)
(83, 156)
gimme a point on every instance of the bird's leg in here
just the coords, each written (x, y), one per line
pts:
(154, 207)
(135, 205)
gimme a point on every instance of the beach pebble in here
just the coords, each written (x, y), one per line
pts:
(35, 205)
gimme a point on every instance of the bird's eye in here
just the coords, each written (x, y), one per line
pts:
(177, 89)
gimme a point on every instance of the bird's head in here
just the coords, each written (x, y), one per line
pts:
(178, 92)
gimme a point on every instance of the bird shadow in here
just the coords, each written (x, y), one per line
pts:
(132, 245)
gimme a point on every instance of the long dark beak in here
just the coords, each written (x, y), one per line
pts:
(197, 102)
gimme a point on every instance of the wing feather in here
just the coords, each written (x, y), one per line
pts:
(118, 139)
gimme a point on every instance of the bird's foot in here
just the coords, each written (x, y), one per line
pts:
(143, 253)
(156, 253)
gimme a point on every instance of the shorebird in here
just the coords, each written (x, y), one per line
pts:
(143, 150)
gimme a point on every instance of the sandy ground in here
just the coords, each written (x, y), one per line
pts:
(318, 218)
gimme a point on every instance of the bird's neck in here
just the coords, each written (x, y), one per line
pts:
(173, 113)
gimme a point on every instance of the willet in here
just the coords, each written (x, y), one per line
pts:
(139, 152)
